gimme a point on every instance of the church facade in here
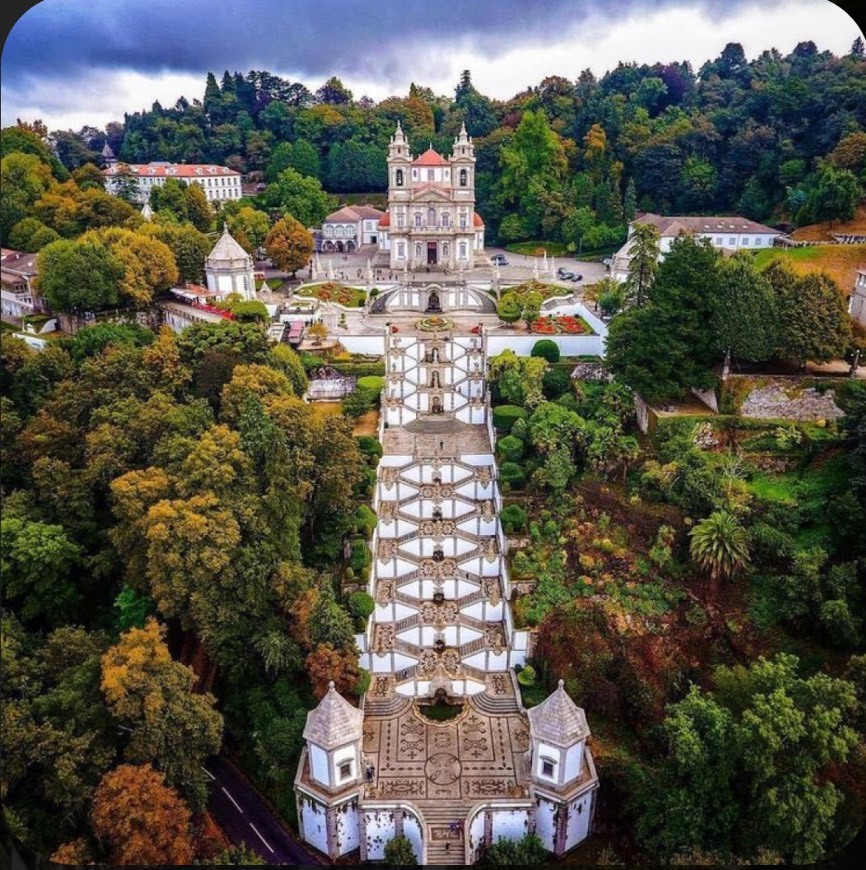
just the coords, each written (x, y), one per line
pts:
(431, 220)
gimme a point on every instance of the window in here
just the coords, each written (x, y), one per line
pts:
(431, 217)
(732, 241)
(447, 174)
(400, 219)
(398, 178)
(463, 250)
(718, 241)
(414, 174)
(464, 220)
(464, 178)
(417, 218)
(345, 769)
(446, 219)
(431, 174)
(548, 767)
(401, 250)
(745, 243)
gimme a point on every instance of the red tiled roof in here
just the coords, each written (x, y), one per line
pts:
(476, 219)
(172, 170)
(385, 220)
(430, 158)
(668, 225)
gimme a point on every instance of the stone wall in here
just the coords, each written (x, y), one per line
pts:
(785, 399)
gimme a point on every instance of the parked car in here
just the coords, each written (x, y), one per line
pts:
(565, 275)
(575, 278)
(499, 260)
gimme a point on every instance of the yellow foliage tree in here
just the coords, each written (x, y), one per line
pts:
(141, 819)
(289, 244)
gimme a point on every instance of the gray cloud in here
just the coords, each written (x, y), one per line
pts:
(310, 38)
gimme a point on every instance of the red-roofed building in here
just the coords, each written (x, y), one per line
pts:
(431, 219)
(218, 182)
(351, 227)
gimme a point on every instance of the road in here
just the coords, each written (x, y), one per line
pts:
(245, 817)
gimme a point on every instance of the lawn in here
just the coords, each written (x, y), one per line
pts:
(537, 249)
(822, 232)
(840, 262)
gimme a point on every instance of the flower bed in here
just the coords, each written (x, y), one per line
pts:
(533, 286)
(561, 324)
(333, 291)
(434, 324)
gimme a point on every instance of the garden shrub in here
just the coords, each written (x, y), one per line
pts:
(546, 349)
(513, 518)
(365, 520)
(512, 474)
(360, 557)
(555, 383)
(361, 604)
(509, 449)
(370, 446)
(249, 311)
(526, 676)
(505, 415)
(358, 403)
(373, 383)
(520, 429)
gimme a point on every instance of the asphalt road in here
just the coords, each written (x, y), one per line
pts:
(246, 818)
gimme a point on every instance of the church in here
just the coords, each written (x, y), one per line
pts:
(431, 222)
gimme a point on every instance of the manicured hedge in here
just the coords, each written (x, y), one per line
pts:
(360, 369)
(369, 446)
(509, 449)
(505, 415)
(546, 349)
(365, 519)
(360, 557)
(512, 474)
(513, 518)
(361, 604)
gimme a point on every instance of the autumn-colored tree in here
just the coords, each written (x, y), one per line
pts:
(261, 381)
(148, 264)
(318, 332)
(198, 208)
(151, 694)
(140, 819)
(253, 224)
(189, 246)
(289, 244)
(76, 851)
(325, 663)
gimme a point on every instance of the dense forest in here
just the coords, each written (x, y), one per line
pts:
(564, 160)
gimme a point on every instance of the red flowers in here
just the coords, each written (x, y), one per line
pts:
(560, 324)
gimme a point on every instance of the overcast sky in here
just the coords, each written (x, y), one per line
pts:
(76, 62)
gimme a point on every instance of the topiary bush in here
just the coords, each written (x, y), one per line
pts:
(365, 520)
(370, 447)
(509, 449)
(513, 518)
(526, 676)
(361, 604)
(520, 429)
(555, 383)
(512, 474)
(373, 383)
(546, 349)
(505, 415)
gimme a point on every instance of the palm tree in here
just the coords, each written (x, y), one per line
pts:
(720, 545)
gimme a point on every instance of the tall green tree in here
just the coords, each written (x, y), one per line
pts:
(643, 262)
(79, 276)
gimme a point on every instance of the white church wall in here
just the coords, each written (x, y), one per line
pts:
(413, 832)
(573, 762)
(379, 830)
(348, 828)
(319, 764)
(545, 822)
(510, 824)
(578, 821)
(315, 824)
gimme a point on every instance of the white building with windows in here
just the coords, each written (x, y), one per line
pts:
(229, 269)
(219, 183)
(431, 219)
(725, 233)
(18, 291)
(350, 228)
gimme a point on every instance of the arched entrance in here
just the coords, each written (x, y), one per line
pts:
(350, 247)
(436, 406)
(433, 303)
(340, 247)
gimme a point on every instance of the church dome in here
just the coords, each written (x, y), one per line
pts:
(558, 720)
(334, 722)
(228, 254)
